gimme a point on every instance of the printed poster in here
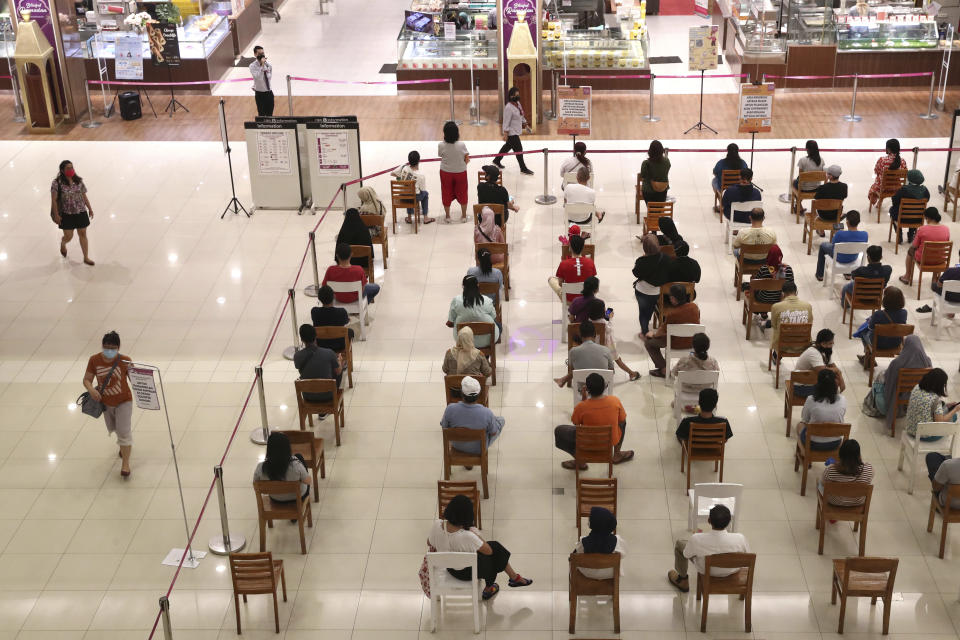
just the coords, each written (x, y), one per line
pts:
(333, 153)
(273, 152)
(164, 44)
(144, 388)
(756, 108)
(573, 110)
(703, 48)
(129, 56)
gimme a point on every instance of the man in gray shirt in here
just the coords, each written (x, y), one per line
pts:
(943, 471)
(467, 413)
(587, 355)
(315, 362)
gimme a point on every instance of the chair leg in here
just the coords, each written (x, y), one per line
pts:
(303, 540)
(689, 471)
(721, 469)
(703, 614)
(616, 612)
(323, 465)
(276, 613)
(913, 474)
(434, 612)
(833, 590)
(943, 537)
(483, 479)
(803, 478)
(886, 615)
(747, 605)
(863, 538)
(316, 486)
(573, 605)
(823, 530)
(283, 582)
(843, 611)
(919, 283)
(236, 606)
(263, 533)
(776, 382)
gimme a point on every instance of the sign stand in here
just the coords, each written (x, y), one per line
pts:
(174, 104)
(700, 125)
(225, 138)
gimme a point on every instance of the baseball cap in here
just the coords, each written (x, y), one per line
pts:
(470, 387)
(834, 170)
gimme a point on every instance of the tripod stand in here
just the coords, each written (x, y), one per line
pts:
(701, 125)
(174, 104)
(234, 204)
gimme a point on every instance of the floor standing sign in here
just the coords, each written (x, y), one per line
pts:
(333, 158)
(703, 48)
(574, 111)
(128, 56)
(274, 162)
(756, 108)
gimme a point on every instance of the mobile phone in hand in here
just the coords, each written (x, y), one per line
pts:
(608, 313)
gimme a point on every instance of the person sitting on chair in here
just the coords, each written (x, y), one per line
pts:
(743, 191)
(601, 539)
(472, 415)
(702, 544)
(914, 190)
(706, 405)
(596, 410)
(489, 192)
(582, 193)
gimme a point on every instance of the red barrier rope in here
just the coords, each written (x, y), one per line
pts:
(165, 84)
(431, 81)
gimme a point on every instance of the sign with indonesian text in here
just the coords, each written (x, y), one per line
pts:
(756, 108)
(144, 388)
(573, 110)
(703, 48)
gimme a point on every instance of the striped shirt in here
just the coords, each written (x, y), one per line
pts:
(832, 474)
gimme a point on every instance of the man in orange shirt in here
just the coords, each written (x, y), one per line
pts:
(597, 410)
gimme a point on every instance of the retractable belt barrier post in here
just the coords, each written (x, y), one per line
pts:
(453, 116)
(650, 117)
(260, 436)
(343, 193)
(224, 544)
(916, 155)
(90, 123)
(853, 117)
(313, 290)
(290, 351)
(546, 197)
(785, 197)
(930, 115)
(289, 96)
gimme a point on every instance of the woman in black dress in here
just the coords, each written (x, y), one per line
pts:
(354, 231)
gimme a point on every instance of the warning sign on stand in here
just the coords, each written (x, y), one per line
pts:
(144, 388)
(756, 108)
(573, 110)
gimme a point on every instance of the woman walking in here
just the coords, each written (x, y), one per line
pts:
(109, 370)
(70, 208)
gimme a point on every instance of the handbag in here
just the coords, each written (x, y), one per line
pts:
(658, 186)
(54, 214)
(424, 573)
(91, 407)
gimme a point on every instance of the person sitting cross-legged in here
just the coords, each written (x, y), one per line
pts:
(706, 543)
(595, 410)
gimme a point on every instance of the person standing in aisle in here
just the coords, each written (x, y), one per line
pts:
(70, 208)
(514, 123)
(108, 369)
(262, 73)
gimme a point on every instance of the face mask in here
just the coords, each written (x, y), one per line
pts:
(69, 173)
(514, 98)
(110, 354)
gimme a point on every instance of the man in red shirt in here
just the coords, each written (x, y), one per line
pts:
(931, 231)
(574, 269)
(343, 271)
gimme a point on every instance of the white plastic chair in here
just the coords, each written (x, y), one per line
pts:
(565, 288)
(443, 584)
(580, 377)
(704, 496)
(729, 225)
(681, 397)
(570, 177)
(918, 448)
(358, 308)
(832, 267)
(580, 210)
(942, 306)
(678, 331)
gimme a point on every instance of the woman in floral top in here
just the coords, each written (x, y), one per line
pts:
(70, 208)
(891, 160)
(927, 405)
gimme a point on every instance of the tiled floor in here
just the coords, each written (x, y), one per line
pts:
(80, 550)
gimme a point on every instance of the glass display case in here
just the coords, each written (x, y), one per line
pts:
(596, 49)
(887, 28)
(418, 51)
(759, 27)
(198, 37)
(810, 22)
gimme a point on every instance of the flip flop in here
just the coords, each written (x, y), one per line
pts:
(491, 591)
(520, 581)
(429, 220)
(904, 280)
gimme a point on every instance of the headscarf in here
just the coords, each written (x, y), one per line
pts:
(465, 352)
(774, 258)
(912, 356)
(369, 201)
(488, 223)
(601, 538)
(353, 231)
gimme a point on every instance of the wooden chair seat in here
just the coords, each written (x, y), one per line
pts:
(268, 510)
(739, 583)
(867, 578)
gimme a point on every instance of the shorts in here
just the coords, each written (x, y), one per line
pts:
(74, 220)
(118, 421)
(453, 186)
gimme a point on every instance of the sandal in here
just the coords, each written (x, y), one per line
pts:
(623, 456)
(924, 309)
(491, 591)
(408, 220)
(683, 584)
(634, 376)
(429, 220)
(904, 280)
(658, 373)
(572, 464)
(520, 581)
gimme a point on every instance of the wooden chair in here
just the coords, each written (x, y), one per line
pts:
(589, 251)
(257, 573)
(363, 251)
(595, 492)
(737, 584)
(581, 585)
(935, 259)
(906, 380)
(728, 178)
(403, 195)
(857, 514)
(890, 182)
(790, 399)
(341, 333)
(485, 329)
(793, 340)
(669, 250)
(704, 442)
(310, 447)
(482, 177)
(492, 291)
(655, 211)
(797, 196)
(594, 444)
(447, 490)
(750, 303)
(951, 194)
(268, 510)
(658, 310)
(805, 456)
(867, 295)
(865, 578)
(813, 223)
(451, 388)
(307, 409)
(881, 331)
(947, 513)
(377, 221)
(910, 216)
(453, 456)
(743, 268)
(497, 211)
(496, 248)
(638, 197)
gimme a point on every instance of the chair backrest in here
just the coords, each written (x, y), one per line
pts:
(403, 193)
(867, 293)
(706, 439)
(911, 212)
(949, 286)
(315, 385)
(573, 333)
(881, 331)
(297, 437)
(754, 252)
(709, 378)
(481, 329)
(730, 561)
(668, 249)
(492, 291)
(907, 379)
(276, 487)
(252, 572)
(893, 179)
(451, 388)
(849, 490)
(858, 249)
(826, 204)
(683, 330)
(794, 338)
(447, 490)
(497, 211)
(594, 443)
(439, 561)
(660, 209)
(364, 251)
(335, 333)
(580, 378)
(482, 177)
(570, 177)
(596, 492)
(578, 210)
(763, 284)
(596, 561)
(941, 429)
(355, 286)
(744, 207)
(371, 220)
(869, 565)
(691, 288)
(706, 495)
(799, 377)
(574, 288)
(589, 251)
(728, 178)
(464, 434)
(936, 255)
(812, 176)
(495, 248)
(830, 430)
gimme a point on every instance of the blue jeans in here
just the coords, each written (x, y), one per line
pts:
(817, 446)
(424, 198)
(645, 305)
(370, 291)
(715, 183)
(847, 290)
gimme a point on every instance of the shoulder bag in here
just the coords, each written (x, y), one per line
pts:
(91, 407)
(59, 211)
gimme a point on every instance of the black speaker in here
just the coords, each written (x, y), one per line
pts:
(130, 105)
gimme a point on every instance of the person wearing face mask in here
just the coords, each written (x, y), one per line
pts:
(514, 122)
(262, 73)
(816, 358)
(70, 208)
(108, 369)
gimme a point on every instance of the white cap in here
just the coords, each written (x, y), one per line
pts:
(470, 387)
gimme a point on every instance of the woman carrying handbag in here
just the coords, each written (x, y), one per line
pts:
(108, 369)
(70, 209)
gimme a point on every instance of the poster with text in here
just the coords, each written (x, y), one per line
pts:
(703, 48)
(333, 153)
(273, 152)
(129, 56)
(756, 108)
(164, 44)
(573, 111)
(144, 388)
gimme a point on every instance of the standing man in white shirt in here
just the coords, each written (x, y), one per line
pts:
(262, 74)
(701, 545)
(514, 122)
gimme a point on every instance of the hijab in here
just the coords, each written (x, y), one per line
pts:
(369, 201)
(774, 258)
(465, 352)
(488, 224)
(601, 538)
(353, 231)
(912, 356)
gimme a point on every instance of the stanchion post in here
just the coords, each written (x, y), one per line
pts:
(343, 194)
(262, 433)
(289, 95)
(650, 117)
(90, 123)
(916, 156)
(224, 544)
(546, 197)
(290, 351)
(165, 617)
(930, 115)
(853, 117)
(453, 116)
(552, 113)
(313, 290)
(785, 197)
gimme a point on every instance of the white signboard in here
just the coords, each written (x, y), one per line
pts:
(129, 57)
(144, 388)
(333, 153)
(449, 30)
(273, 152)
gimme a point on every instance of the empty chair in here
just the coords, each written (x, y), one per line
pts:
(738, 584)
(581, 585)
(865, 578)
(912, 449)
(595, 492)
(705, 495)
(268, 510)
(948, 513)
(447, 489)
(443, 584)
(857, 513)
(257, 573)
(334, 406)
